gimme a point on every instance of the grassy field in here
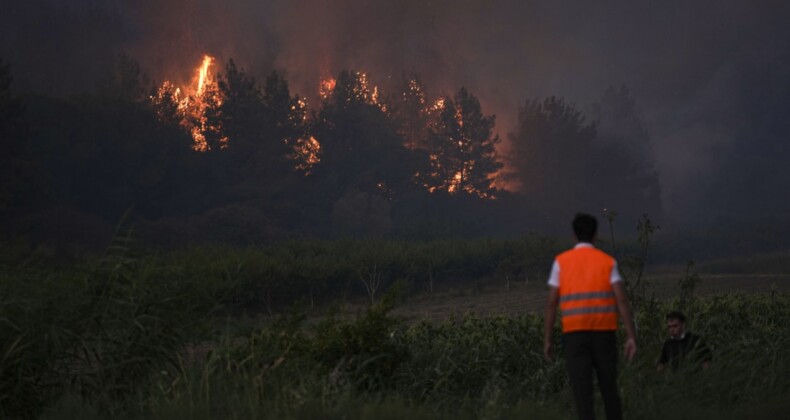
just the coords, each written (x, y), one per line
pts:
(520, 298)
(206, 333)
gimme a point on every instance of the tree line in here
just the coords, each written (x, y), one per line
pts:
(358, 163)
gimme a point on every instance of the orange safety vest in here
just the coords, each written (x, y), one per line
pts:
(587, 301)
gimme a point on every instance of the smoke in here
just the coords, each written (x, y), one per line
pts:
(686, 63)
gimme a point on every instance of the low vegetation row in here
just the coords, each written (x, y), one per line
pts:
(156, 336)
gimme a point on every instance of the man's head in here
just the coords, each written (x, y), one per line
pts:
(585, 227)
(676, 324)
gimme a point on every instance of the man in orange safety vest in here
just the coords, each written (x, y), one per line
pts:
(589, 291)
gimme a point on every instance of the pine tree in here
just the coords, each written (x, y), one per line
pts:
(462, 148)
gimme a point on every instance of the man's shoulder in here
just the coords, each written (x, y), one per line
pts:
(590, 250)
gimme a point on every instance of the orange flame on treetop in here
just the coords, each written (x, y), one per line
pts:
(192, 102)
(327, 87)
(203, 74)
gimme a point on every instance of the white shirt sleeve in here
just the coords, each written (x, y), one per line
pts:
(554, 277)
(615, 277)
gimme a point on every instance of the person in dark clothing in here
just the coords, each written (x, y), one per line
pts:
(682, 347)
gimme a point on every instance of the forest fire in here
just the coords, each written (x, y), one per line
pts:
(203, 74)
(191, 104)
(438, 105)
(306, 154)
(438, 126)
(369, 96)
(326, 87)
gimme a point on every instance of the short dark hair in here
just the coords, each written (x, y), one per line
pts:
(585, 227)
(676, 315)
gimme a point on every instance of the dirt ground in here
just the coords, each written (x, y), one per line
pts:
(519, 298)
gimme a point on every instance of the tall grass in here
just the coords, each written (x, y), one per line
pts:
(466, 368)
(97, 330)
(132, 336)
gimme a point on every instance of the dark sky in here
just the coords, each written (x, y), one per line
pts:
(698, 70)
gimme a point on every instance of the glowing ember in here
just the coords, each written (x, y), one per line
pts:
(455, 183)
(459, 117)
(306, 154)
(363, 91)
(438, 105)
(327, 87)
(299, 113)
(360, 90)
(415, 90)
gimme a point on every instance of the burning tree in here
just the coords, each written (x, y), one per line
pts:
(360, 145)
(363, 158)
(462, 148)
(410, 110)
(263, 124)
(287, 115)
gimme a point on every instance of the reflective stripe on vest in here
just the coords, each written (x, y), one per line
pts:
(587, 301)
(584, 296)
(590, 310)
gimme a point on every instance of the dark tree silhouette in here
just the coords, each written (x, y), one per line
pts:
(240, 113)
(564, 163)
(361, 150)
(286, 119)
(17, 175)
(129, 82)
(551, 157)
(410, 110)
(622, 133)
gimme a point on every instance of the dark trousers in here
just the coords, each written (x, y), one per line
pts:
(585, 352)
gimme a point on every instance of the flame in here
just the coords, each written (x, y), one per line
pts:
(455, 183)
(361, 91)
(299, 114)
(459, 117)
(416, 90)
(203, 74)
(306, 154)
(326, 87)
(460, 179)
(191, 103)
(438, 105)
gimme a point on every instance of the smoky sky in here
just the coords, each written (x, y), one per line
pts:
(692, 67)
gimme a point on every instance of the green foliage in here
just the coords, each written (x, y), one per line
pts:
(364, 353)
(640, 291)
(748, 367)
(475, 357)
(318, 272)
(469, 367)
(130, 335)
(686, 286)
(97, 331)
